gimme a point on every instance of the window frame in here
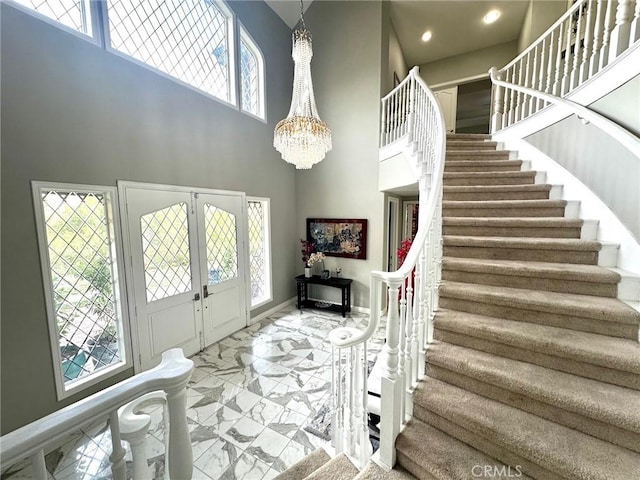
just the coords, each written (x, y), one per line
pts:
(266, 216)
(245, 36)
(63, 390)
(231, 43)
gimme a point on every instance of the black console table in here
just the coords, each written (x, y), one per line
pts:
(344, 284)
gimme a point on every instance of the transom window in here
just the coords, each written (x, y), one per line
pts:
(80, 266)
(188, 39)
(74, 14)
(251, 76)
(259, 251)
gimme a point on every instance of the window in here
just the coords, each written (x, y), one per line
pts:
(80, 266)
(259, 251)
(251, 76)
(191, 40)
(74, 14)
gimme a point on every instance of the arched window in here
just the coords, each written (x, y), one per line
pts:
(252, 98)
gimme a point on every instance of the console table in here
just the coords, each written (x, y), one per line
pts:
(344, 284)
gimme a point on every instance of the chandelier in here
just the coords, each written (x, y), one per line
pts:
(302, 138)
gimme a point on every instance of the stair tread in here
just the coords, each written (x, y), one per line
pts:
(441, 455)
(522, 242)
(597, 400)
(306, 466)
(477, 163)
(497, 188)
(560, 449)
(563, 271)
(587, 306)
(338, 468)
(503, 203)
(518, 173)
(373, 471)
(609, 352)
(514, 221)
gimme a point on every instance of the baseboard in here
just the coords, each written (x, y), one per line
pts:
(354, 308)
(272, 310)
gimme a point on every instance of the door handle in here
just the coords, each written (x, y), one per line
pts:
(196, 297)
(205, 291)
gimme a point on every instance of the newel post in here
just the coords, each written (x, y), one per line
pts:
(179, 456)
(622, 31)
(391, 385)
(498, 94)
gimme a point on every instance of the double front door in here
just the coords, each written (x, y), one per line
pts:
(188, 265)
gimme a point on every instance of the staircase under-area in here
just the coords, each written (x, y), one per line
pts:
(535, 367)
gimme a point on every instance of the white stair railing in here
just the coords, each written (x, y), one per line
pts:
(588, 37)
(411, 114)
(170, 376)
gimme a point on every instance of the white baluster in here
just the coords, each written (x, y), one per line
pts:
(514, 97)
(391, 384)
(496, 117)
(622, 31)
(415, 328)
(606, 32)
(558, 73)
(117, 452)
(180, 455)
(551, 56)
(408, 364)
(541, 71)
(362, 445)
(338, 410)
(422, 309)
(383, 123)
(588, 40)
(567, 62)
(524, 108)
(575, 56)
(38, 466)
(507, 93)
(350, 395)
(594, 60)
(519, 95)
(402, 345)
(534, 77)
(634, 35)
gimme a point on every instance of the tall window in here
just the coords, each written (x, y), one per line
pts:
(74, 14)
(251, 76)
(191, 40)
(259, 251)
(76, 230)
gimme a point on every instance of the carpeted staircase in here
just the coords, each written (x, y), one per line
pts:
(535, 370)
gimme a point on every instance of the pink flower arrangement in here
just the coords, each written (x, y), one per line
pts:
(306, 251)
(403, 250)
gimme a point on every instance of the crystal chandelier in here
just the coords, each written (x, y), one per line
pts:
(302, 138)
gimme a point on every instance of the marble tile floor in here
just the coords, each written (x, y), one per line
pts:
(249, 399)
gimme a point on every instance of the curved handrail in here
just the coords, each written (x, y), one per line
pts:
(621, 134)
(343, 338)
(173, 372)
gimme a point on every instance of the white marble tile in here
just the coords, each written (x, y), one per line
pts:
(262, 386)
(218, 458)
(243, 401)
(243, 432)
(267, 446)
(295, 380)
(288, 422)
(271, 474)
(247, 467)
(264, 411)
(292, 453)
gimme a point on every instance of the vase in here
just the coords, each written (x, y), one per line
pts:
(307, 272)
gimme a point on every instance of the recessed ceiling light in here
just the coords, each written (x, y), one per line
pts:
(426, 36)
(492, 16)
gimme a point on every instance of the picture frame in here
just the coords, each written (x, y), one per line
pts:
(338, 237)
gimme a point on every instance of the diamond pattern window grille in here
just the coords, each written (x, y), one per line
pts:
(187, 39)
(165, 250)
(79, 237)
(71, 13)
(257, 251)
(222, 246)
(249, 81)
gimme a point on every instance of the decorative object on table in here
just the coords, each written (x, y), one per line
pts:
(336, 237)
(316, 258)
(306, 250)
(326, 274)
(302, 138)
(338, 272)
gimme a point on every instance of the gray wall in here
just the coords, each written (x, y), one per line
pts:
(467, 65)
(72, 112)
(541, 14)
(350, 47)
(397, 62)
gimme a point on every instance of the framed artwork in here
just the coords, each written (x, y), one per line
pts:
(338, 237)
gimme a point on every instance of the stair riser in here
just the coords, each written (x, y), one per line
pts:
(598, 289)
(471, 147)
(449, 167)
(576, 367)
(484, 445)
(482, 196)
(477, 181)
(413, 468)
(611, 329)
(533, 255)
(511, 232)
(590, 426)
(480, 156)
(504, 212)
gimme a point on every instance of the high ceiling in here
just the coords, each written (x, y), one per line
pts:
(456, 25)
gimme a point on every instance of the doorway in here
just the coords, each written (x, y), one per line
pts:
(188, 269)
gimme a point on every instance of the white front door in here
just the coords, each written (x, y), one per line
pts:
(187, 267)
(448, 100)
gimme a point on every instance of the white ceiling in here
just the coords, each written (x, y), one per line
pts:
(456, 25)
